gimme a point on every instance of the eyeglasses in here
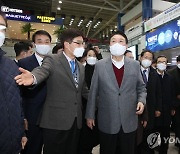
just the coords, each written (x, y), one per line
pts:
(79, 43)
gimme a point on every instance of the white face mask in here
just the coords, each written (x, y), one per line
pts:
(161, 66)
(117, 49)
(43, 49)
(91, 60)
(78, 52)
(2, 38)
(146, 63)
(178, 65)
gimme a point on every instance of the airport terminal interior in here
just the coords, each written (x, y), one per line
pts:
(148, 24)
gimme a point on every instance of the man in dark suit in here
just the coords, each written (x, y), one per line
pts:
(22, 50)
(163, 120)
(175, 72)
(121, 93)
(153, 104)
(33, 99)
(61, 116)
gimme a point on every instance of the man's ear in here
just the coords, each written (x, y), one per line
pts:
(66, 45)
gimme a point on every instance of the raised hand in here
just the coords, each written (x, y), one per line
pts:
(25, 78)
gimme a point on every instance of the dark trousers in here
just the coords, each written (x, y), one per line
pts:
(88, 139)
(35, 140)
(61, 141)
(121, 143)
(164, 134)
(144, 147)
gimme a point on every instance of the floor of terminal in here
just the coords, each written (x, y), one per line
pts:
(172, 150)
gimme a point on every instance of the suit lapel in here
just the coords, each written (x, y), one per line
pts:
(126, 72)
(110, 72)
(33, 62)
(80, 74)
(66, 66)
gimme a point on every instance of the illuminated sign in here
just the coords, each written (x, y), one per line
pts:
(46, 19)
(165, 37)
(18, 17)
(7, 9)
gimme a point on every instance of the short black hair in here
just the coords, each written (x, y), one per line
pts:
(178, 58)
(41, 32)
(20, 47)
(119, 33)
(69, 34)
(56, 48)
(127, 51)
(4, 17)
(144, 51)
(87, 50)
(161, 56)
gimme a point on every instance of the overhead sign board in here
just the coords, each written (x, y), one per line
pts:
(164, 17)
(7, 9)
(46, 19)
(165, 37)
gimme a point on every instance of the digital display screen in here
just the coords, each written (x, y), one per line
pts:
(165, 37)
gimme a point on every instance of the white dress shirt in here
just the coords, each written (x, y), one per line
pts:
(118, 64)
(147, 71)
(39, 59)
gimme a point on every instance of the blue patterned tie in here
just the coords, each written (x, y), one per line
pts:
(72, 62)
(144, 76)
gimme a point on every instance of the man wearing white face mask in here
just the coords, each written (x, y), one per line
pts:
(61, 117)
(167, 97)
(118, 84)
(153, 105)
(33, 99)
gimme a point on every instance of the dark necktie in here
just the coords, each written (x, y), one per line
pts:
(144, 76)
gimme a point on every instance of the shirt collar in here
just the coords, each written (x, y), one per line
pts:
(118, 64)
(147, 69)
(39, 59)
(16, 60)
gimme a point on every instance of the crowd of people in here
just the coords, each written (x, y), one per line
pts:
(72, 100)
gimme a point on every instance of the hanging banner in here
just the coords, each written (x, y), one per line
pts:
(164, 17)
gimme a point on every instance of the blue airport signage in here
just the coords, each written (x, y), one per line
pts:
(32, 18)
(165, 37)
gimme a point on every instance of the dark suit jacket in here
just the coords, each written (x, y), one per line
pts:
(153, 100)
(167, 100)
(33, 99)
(63, 102)
(175, 73)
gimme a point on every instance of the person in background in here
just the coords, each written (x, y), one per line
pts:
(99, 56)
(167, 97)
(129, 54)
(146, 120)
(22, 50)
(175, 73)
(57, 49)
(121, 93)
(61, 117)
(153, 65)
(33, 99)
(88, 138)
(11, 114)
